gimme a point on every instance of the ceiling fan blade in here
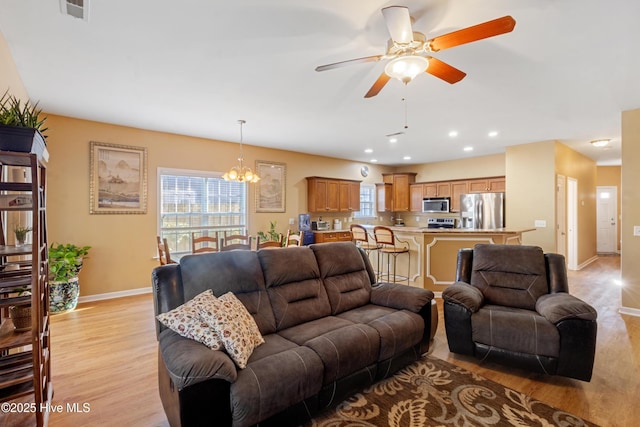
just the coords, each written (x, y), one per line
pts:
(444, 71)
(378, 85)
(349, 62)
(398, 23)
(470, 34)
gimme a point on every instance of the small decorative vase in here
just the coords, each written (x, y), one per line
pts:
(19, 241)
(63, 296)
(21, 316)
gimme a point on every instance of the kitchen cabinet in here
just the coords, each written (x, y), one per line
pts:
(416, 192)
(332, 236)
(484, 185)
(457, 189)
(332, 195)
(400, 194)
(425, 190)
(384, 197)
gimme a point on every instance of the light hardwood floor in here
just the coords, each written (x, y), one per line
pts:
(104, 354)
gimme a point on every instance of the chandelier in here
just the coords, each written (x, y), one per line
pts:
(241, 173)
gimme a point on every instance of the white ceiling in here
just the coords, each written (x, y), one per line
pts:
(195, 67)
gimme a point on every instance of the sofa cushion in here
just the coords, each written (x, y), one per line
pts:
(235, 327)
(345, 275)
(510, 275)
(273, 344)
(366, 313)
(515, 329)
(187, 321)
(302, 333)
(232, 271)
(294, 286)
(273, 383)
(346, 350)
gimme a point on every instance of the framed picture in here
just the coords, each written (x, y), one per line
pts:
(270, 190)
(118, 176)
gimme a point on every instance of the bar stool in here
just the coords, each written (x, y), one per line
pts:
(360, 237)
(391, 246)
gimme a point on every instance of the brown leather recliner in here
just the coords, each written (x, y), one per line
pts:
(511, 304)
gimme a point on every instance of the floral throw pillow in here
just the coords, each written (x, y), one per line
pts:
(235, 326)
(186, 320)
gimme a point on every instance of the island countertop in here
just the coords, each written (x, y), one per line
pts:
(404, 229)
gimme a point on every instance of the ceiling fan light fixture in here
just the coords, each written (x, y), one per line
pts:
(600, 142)
(406, 68)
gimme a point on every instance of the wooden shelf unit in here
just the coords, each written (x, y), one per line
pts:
(25, 357)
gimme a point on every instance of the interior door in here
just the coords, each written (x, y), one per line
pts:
(606, 218)
(561, 215)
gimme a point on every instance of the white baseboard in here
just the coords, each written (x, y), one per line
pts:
(629, 311)
(112, 295)
(587, 262)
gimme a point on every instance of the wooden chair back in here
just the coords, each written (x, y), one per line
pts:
(164, 255)
(208, 243)
(293, 239)
(234, 242)
(269, 244)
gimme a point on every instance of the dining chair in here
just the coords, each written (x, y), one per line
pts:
(164, 255)
(204, 243)
(269, 244)
(392, 247)
(234, 242)
(293, 239)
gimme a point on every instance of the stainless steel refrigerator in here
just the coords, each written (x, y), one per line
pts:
(482, 211)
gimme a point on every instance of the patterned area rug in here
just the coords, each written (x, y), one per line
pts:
(431, 392)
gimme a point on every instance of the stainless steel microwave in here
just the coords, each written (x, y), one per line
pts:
(435, 204)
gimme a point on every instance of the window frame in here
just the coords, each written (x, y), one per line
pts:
(371, 188)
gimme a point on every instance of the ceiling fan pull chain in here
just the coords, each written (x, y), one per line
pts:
(406, 125)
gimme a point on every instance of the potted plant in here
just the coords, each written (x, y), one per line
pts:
(65, 262)
(21, 126)
(21, 314)
(271, 235)
(21, 234)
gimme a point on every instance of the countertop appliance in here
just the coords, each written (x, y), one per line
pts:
(320, 225)
(482, 211)
(435, 204)
(441, 222)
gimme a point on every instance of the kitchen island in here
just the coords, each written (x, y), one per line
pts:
(434, 251)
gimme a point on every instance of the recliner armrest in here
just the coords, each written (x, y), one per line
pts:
(189, 362)
(401, 297)
(561, 306)
(465, 295)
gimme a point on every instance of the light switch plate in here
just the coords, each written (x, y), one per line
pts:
(540, 223)
(636, 230)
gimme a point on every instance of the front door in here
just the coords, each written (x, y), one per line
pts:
(606, 218)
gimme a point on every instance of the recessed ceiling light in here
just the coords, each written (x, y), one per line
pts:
(493, 134)
(392, 140)
(468, 148)
(374, 160)
(600, 142)
(368, 150)
(453, 133)
(407, 157)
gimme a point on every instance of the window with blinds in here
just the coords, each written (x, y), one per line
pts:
(200, 202)
(367, 201)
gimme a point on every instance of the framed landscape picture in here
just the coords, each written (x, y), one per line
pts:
(118, 179)
(270, 190)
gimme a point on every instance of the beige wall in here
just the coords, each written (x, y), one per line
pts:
(572, 164)
(474, 167)
(530, 177)
(9, 77)
(123, 250)
(631, 209)
(611, 176)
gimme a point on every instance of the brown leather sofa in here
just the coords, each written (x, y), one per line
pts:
(511, 304)
(329, 331)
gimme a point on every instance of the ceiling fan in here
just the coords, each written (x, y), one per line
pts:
(408, 50)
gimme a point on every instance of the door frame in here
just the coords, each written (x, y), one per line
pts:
(561, 215)
(572, 224)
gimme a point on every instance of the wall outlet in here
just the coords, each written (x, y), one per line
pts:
(636, 230)
(417, 219)
(540, 223)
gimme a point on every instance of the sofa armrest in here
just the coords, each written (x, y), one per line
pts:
(562, 306)
(465, 295)
(188, 362)
(401, 297)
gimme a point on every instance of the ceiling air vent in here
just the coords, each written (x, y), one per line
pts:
(76, 8)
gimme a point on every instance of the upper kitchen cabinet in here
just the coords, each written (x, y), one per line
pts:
(384, 197)
(332, 195)
(485, 185)
(400, 194)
